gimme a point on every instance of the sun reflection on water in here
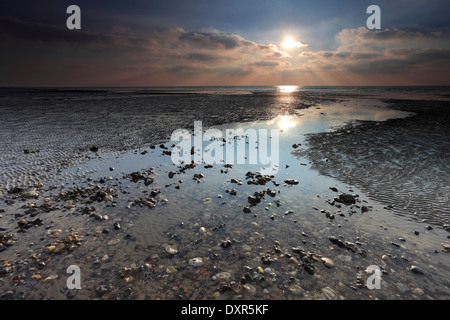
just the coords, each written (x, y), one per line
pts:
(287, 89)
(286, 122)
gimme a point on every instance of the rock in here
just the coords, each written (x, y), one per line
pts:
(328, 262)
(53, 232)
(416, 270)
(249, 288)
(196, 262)
(56, 247)
(291, 181)
(116, 226)
(101, 290)
(309, 268)
(52, 277)
(267, 270)
(446, 247)
(170, 249)
(418, 291)
(351, 246)
(253, 200)
(337, 242)
(223, 276)
(31, 194)
(171, 269)
(15, 190)
(329, 294)
(247, 209)
(346, 199)
(93, 149)
(226, 244)
(296, 290)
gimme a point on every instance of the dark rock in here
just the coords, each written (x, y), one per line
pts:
(416, 270)
(346, 199)
(253, 200)
(337, 242)
(15, 190)
(309, 268)
(226, 244)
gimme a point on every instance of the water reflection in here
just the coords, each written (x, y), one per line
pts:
(288, 89)
(286, 122)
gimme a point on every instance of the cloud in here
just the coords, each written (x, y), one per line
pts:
(265, 63)
(389, 52)
(120, 54)
(43, 54)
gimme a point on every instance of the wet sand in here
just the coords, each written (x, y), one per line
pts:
(403, 162)
(141, 227)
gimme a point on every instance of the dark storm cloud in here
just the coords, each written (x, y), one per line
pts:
(215, 40)
(18, 30)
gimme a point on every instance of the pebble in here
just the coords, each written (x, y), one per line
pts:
(328, 294)
(296, 290)
(102, 289)
(416, 270)
(171, 269)
(223, 276)
(196, 262)
(170, 249)
(417, 291)
(249, 288)
(328, 262)
(31, 194)
(52, 277)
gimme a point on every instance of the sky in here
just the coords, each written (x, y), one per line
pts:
(228, 42)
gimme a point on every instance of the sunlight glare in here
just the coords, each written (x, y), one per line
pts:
(287, 89)
(286, 122)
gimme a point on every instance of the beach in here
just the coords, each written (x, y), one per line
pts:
(360, 189)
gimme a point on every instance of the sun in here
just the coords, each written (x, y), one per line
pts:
(290, 43)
